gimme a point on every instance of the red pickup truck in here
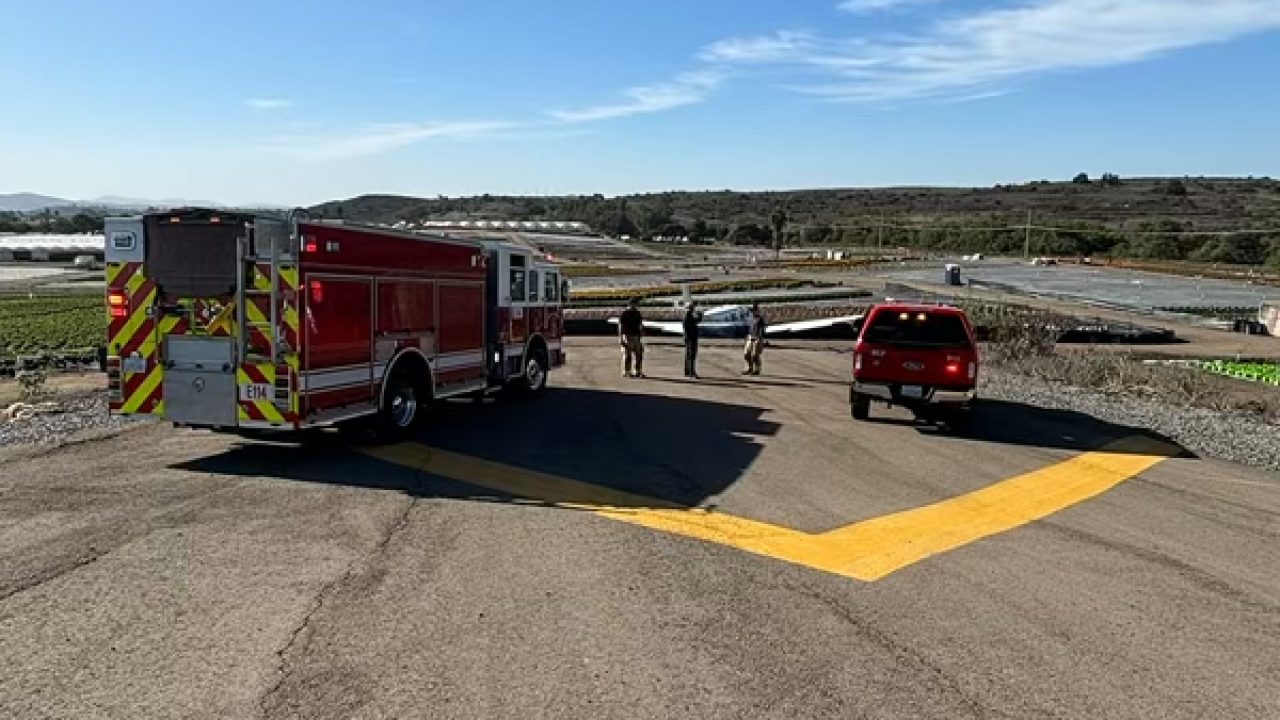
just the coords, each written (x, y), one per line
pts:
(917, 356)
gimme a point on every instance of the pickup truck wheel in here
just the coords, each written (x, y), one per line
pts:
(960, 420)
(860, 407)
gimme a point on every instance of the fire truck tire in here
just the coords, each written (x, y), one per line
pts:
(403, 404)
(535, 371)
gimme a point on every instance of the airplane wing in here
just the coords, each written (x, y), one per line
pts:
(803, 325)
(674, 328)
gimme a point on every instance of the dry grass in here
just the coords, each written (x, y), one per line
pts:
(1020, 344)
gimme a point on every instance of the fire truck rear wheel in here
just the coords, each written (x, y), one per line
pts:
(402, 407)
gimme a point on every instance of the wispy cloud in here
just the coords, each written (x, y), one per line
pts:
(267, 103)
(376, 139)
(687, 89)
(985, 52)
(865, 6)
(779, 47)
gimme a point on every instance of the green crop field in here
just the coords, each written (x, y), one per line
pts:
(1268, 373)
(55, 323)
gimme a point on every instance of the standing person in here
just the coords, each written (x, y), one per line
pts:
(755, 341)
(630, 328)
(692, 316)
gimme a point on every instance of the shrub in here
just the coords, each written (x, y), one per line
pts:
(1020, 346)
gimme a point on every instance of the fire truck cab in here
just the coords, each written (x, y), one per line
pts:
(525, 320)
(250, 324)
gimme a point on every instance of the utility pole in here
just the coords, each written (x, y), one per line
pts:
(1026, 247)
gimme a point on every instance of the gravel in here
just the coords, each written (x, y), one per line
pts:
(1234, 436)
(70, 416)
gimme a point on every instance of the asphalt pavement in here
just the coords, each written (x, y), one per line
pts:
(644, 548)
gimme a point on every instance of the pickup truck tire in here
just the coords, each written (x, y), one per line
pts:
(960, 420)
(860, 407)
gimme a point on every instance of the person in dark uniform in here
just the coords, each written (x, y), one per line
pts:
(755, 342)
(692, 316)
(630, 329)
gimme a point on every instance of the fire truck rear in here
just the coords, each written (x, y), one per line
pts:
(244, 323)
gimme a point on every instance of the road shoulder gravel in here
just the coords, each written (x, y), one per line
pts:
(1233, 436)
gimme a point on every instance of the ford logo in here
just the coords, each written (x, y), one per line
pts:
(913, 365)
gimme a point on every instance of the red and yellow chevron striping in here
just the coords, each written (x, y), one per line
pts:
(138, 336)
(133, 337)
(259, 409)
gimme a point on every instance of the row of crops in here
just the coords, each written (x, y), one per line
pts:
(1262, 372)
(1218, 313)
(56, 323)
(588, 270)
(623, 294)
(595, 271)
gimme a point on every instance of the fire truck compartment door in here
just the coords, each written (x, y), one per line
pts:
(200, 380)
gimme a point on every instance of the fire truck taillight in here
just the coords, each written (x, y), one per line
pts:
(118, 304)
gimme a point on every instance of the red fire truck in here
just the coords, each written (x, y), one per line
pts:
(247, 323)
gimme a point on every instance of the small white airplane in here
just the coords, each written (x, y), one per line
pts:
(733, 321)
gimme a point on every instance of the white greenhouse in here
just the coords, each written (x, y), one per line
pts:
(50, 248)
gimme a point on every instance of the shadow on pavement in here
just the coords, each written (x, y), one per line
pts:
(730, 382)
(1011, 423)
(810, 380)
(674, 450)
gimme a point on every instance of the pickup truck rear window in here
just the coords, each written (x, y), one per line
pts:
(916, 329)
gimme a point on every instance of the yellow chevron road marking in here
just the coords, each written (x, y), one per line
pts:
(867, 550)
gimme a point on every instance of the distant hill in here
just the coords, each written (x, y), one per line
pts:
(115, 201)
(28, 202)
(1141, 217)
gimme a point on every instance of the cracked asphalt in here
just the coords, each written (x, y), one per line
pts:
(160, 574)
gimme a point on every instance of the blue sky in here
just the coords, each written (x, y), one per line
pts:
(300, 102)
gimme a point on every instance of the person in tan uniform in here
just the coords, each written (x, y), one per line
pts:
(630, 332)
(754, 350)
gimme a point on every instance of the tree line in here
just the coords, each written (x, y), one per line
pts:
(50, 222)
(1227, 220)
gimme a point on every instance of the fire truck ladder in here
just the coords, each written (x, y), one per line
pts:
(248, 292)
(274, 235)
